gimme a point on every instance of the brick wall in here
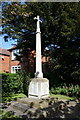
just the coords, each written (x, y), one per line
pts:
(27, 63)
(4, 64)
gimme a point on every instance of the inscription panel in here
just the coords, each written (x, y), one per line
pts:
(39, 88)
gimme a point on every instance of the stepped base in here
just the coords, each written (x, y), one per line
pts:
(28, 108)
(36, 103)
(39, 88)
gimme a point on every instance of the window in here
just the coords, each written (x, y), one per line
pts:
(2, 58)
(15, 69)
(16, 51)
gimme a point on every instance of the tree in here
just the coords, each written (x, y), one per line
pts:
(59, 31)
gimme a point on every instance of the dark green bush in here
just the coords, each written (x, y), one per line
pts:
(54, 80)
(24, 78)
(8, 83)
(14, 83)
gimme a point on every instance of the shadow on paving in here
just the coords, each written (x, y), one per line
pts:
(68, 110)
(55, 112)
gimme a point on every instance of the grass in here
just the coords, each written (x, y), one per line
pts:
(63, 97)
(21, 95)
(13, 97)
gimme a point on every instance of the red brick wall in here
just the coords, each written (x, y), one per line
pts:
(4, 65)
(29, 64)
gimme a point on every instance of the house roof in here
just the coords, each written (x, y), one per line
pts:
(4, 51)
(12, 48)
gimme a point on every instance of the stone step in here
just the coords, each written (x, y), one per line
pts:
(14, 111)
(34, 102)
(20, 107)
(28, 100)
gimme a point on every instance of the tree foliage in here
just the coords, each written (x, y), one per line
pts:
(59, 30)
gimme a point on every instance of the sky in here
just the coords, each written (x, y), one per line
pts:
(6, 45)
(3, 44)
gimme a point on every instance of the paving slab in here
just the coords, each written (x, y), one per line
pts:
(20, 106)
(39, 103)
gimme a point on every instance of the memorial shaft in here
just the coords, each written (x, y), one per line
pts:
(38, 51)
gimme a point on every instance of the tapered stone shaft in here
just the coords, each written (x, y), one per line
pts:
(38, 73)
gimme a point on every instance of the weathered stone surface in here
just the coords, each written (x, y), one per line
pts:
(20, 106)
(34, 102)
(62, 106)
(67, 102)
(43, 104)
(32, 108)
(23, 116)
(32, 112)
(28, 100)
(72, 103)
(9, 103)
(39, 88)
(4, 106)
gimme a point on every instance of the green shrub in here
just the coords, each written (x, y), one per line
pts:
(24, 78)
(14, 83)
(10, 85)
(70, 90)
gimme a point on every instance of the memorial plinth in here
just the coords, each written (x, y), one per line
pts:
(39, 88)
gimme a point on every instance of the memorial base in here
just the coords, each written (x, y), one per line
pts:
(38, 88)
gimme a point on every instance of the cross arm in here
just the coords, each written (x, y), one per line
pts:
(37, 18)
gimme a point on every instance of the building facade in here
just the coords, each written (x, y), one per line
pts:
(14, 65)
(11, 65)
(4, 60)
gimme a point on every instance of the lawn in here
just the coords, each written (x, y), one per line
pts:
(13, 97)
(63, 97)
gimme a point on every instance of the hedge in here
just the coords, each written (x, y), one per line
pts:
(14, 83)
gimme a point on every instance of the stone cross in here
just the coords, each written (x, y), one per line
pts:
(39, 86)
(38, 73)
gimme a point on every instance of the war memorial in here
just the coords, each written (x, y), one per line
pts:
(39, 104)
